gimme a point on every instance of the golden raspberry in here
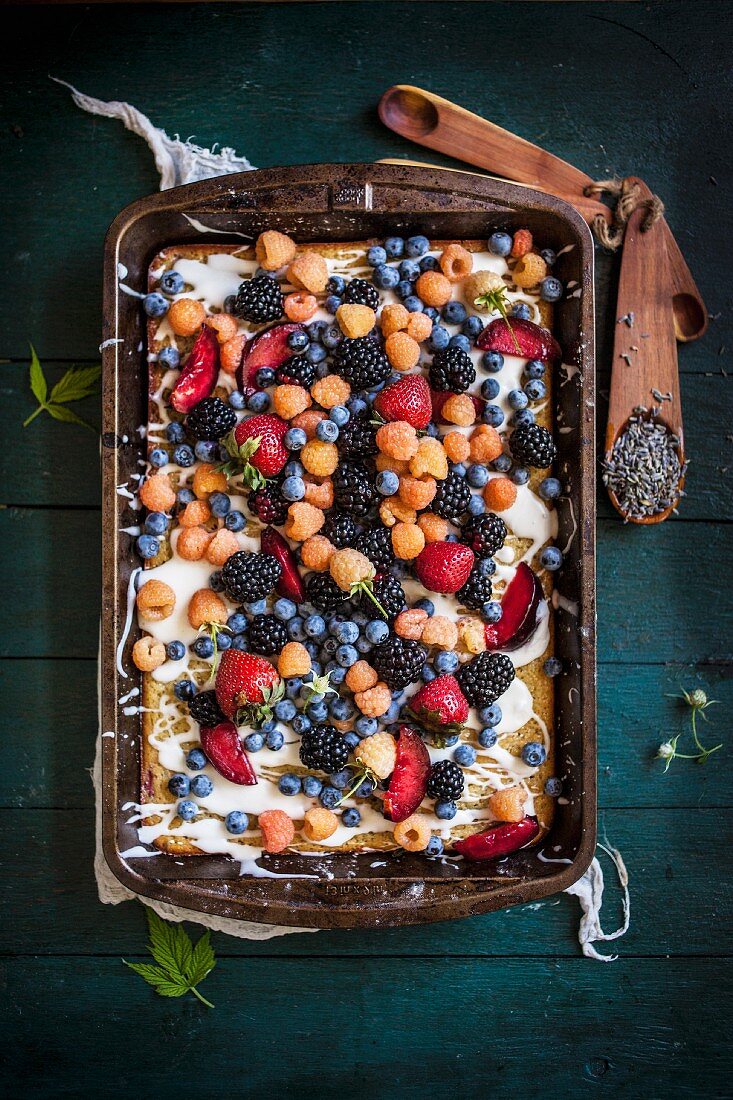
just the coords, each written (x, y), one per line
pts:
(355, 320)
(378, 753)
(349, 567)
(430, 458)
(402, 351)
(193, 542)
(407, 541)
(413, 834)
(274, 250)
(207, 480)
(433, 288)
(456, 262)
(148, 654)
(411, 623)
(384, 462)
(478, 284)
(222, 546)
(440, 631)
(375, 702)
(522, 243)
(361, 676)
(309, 271)
(508, 804)
(459, 409)
(331, 391)
(156, 493)
(319, 493)
(435, 528)
(300, 306)
(224, 325)
(277, 830)
(289, 401)
(230, 354)
(500, 493)
(186, 316)
(294, 660)
(316, 552)
(471, 634)
(417, 492)
(486, 444)
(303, 521)
(319, 823)
(529, 270)
(195, 513)
(156, 600)
(393, 511)
(398, 440)
(456, 446)
(320, 458)
(394, 318)
(206, 607)
(419, 326)
(309, 421)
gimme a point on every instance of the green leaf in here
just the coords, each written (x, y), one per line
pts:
(170, 945)
(181, 966)
(202, 960)
(38, 380)
(162, 983)
(77, 383)
(60, 412)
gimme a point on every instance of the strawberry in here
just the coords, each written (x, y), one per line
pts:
(267, 349)
(534, 342)
(290, 584)
(406, 399)
(246, 686)
(440, 706)
(444, 566)
(224, 749)
(498, 841)
(519, 606)
(256, 445)
(409, 780)
(439, 399)
(199, 373)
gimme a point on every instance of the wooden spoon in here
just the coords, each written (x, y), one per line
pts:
(439, 124)
(644, 350)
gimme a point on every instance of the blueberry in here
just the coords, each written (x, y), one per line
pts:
(289, 784)
(346, 633)
(460, 341)
(387, 483)
(156, 523)
(230, 303)
(523, 418)
(403, 289)
(179, 785)
(240, 642)
(196, 760)
(284, 609)
(332, 337)
(492, 415)
(351, 818)
(330, 797)
(158, 457)
(236, 822)
(155, 305)
(293, 488)
(336, 285)
(298, 340)
(550, 488)
(175, 651)
(316, 354)
(502, 463)
(331, 304)
(472, 326)
(492, 361)
(312, 648)
(417, 246)
(172, 282)
(434, 846)
(341, 709)
(184, 497)
(169, 357)
(477, 476)
(294, 439)
(534, 754)
(183, 455)
(535, 389)
(439, 338)
(317, 712)
(535, 368)
(338, 675)
(458, 468)
(491, 715)
(487, 737)
(490, 389)
(327, 431)
(203, 647)
(315, 626)
(446, 662)
(376, 631)
(465, 755)
(445, 810)
(206, 450)
(293, 686)
(296, 629)
(413, 304)
(301, 724)
(341, 779)
(346, 656)
(184, 690)
(268, 726)
(237, 400)
(454, 312)
(500, 244)
(492, 611)
(520, 475)
(220, 504)
(517, 399)
(522, 311)
(235, 521)
(175, 432)
(392, 714)
(312, 786)
(293, 469)
(549, 256)
(365, 727)
(429, 263)
(553, 786)
(352, 739)
(316, 330)
(476, 506)
(258, 402)
(253, 742)
(284, 710)
(551, 289)
(551, 558)
(187, 810)
(432, 313)
(552, 666)
(265, 377)
(394, 247)
(201, 786)
(376, 255)
(147, 546)
(486, 567)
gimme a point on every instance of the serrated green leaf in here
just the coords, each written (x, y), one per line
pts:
(60, 412)
(77, 383)
(170, 945)
(202, 960)
(159, 979)
(38, 380)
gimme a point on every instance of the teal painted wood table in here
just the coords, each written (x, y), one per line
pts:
(494, 1006)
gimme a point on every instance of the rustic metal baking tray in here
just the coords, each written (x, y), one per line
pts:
(350, 202)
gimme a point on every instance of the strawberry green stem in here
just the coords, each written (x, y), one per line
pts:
(201, 997)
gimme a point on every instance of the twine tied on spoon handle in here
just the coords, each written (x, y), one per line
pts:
(628, 199)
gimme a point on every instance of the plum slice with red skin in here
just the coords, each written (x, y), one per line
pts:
(409, 780)
(267, 349)
(498, 841)
(534, 342)
(199, 373)
(224, 749)
(290, 584)
(519, 606)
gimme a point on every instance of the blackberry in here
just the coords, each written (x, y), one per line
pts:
(324, 748)
(352, 488)
(484, 534)
(451, 369)
(362, 363)
(398, 661)
(268, 505)
(476, 591)
(391, 595)
(376, 544)
(360, 292)
(532, 445)
(357, 439)
(485, 678)
(247, 577)
(340, 530)
(445, 781)
(267, 635)
(211, 419)
(297, 371)
(205, 710)
(259, 299)
(322, 591)
(452, 498)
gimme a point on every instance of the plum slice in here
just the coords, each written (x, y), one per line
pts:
(409, 779)
(290, 584)
(267, 349)
(532, 342)
(224, 749)
(519, 606)
(199, 373)
(498, 841)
